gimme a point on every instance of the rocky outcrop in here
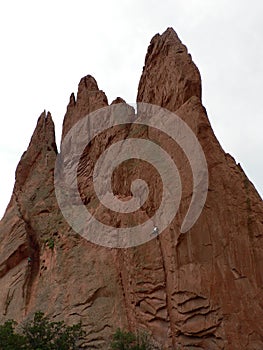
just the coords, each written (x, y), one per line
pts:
(196, 290)
(169, 78)
(24, 224)
(89, 98)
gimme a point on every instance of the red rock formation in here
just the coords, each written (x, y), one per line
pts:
(201, 289)
(169, 76)
(89, 98)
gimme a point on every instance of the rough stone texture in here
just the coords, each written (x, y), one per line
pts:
(169, 76)
(198, 290)
(89, 98)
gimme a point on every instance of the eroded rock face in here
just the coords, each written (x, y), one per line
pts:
(169, 75)
(89, 98)
(197, 290)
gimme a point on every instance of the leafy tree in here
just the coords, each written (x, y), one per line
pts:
(41, 334)
(9, 340)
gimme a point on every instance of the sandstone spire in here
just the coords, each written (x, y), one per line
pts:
(169, 75)
(41, 144)
(89, 98)
(201, 289)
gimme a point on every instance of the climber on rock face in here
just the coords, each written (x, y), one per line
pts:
(29, 260)
(155, 230)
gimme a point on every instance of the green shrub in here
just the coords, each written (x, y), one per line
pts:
(50, 243)
(123, 340)
(9, 340)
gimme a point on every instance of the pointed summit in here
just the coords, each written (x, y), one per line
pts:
(200, 289)
(168, 35)
(41, 146)
(118, 100)
(88, 83)
(44, 131)
(169, 76)
(89, 99)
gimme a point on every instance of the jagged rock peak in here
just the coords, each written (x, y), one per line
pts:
(169, 76)
(72, 100)
(88, 83)
(201, 289)
(89, 99)
(42, 144)
(118, 100)
(168, 37)
(44, 131)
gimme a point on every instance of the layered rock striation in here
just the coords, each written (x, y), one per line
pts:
(196, 290)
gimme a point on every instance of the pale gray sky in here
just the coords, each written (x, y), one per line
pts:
(47, 46)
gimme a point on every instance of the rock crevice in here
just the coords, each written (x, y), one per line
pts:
(198, 290)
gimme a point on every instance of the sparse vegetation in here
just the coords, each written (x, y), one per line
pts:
(123, 340)
(50, 242)
(42, 334)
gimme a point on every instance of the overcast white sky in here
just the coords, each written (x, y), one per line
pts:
(47, 46)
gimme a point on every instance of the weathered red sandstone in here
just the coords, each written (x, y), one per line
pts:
(197, 290)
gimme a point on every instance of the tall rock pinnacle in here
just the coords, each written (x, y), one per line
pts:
(89, 98)
(42, 143)
(169, 75)
(201, 289)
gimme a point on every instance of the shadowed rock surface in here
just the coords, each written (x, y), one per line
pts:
(198, 290)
